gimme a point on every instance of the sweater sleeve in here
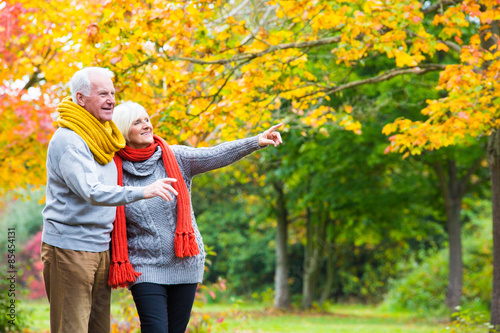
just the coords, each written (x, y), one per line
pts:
(78, 169)
(199, 160)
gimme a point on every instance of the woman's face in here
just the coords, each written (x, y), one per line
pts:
(141, 132)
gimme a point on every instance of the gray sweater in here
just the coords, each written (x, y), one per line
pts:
(151, 223)
(80, 196)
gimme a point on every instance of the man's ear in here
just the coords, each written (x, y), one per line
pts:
(80, 99)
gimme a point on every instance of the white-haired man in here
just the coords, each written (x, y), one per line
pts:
(81, 194)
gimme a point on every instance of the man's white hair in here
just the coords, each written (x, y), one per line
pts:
(125, 115)
(80, 82)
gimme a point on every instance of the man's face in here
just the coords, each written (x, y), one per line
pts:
(101, 101)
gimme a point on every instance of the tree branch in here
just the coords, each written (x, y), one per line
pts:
(472, 170)
(451, 45)
(147, 61)
(422, 69)
(249, 56)
(257, 28)
(34, 79)
(222, 86)
(443, 183)
(37, 75)
(233, 12)
(440, 4)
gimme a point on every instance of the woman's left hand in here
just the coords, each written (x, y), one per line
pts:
(270, 137)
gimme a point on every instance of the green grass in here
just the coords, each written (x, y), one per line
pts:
(256, 318)
(337, 318)
(38, 313)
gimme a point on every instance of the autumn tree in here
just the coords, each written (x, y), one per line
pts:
(37, 57)
(226, 67)
(209, 69)
(470, 108)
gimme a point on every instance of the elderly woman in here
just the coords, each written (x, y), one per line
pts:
(165, 247)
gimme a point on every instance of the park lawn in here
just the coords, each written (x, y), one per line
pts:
(328, 324)
(338, 318)
(255, 318)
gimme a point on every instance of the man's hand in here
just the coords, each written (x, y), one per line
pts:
(161, 188)
(270, 137)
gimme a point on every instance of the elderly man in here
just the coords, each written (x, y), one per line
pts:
(79, 213)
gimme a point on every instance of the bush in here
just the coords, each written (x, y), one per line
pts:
(467, 321)
(423, 288)
(24, 214)
(31, 277)
(11, 319)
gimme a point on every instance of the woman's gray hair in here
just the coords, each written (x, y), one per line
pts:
(80, 82)
(125, 115)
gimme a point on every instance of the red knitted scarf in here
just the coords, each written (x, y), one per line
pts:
(121, 273)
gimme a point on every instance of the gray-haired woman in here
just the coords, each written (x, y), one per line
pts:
(164, 244)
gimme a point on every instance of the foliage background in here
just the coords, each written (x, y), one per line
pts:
(352, 81)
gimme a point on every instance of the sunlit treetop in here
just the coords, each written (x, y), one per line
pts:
(211, 69)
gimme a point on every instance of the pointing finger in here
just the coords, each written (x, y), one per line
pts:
(275, 127)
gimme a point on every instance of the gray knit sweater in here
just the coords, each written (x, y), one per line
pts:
(151, 223)
(81, 195)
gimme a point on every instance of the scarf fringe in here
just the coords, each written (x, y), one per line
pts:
(186, 245)
(121, 274)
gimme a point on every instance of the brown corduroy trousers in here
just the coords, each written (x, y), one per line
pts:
(76, 283)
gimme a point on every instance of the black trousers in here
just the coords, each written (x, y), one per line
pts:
(164, 308)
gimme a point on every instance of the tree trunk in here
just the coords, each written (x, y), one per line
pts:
(453, 189)
(494, 164)
(282, 291)
(309, 265)
(454, 229)
(315, 232)
(493, 154)
(330, 275)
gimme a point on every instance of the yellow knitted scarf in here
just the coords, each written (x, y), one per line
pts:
(103, 140)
